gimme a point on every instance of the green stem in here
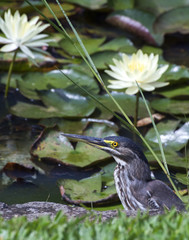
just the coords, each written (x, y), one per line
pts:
(9, 74)
(136, 109)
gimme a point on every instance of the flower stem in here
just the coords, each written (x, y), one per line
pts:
(136, 109)
(9, 74)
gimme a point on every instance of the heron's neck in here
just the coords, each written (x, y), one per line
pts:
(135, 168)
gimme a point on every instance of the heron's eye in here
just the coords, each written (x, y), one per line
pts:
(114, 144)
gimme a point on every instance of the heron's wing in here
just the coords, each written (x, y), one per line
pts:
(160, 196)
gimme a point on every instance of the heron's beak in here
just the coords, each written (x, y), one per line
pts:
(95, 142)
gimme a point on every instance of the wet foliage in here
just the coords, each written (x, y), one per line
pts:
(43, 100)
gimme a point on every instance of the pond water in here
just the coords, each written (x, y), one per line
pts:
(45, 100)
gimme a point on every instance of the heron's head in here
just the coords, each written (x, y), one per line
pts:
(121, 148)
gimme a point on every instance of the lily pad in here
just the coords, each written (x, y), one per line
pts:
(127, 102)
(175, 20)
(27, 110)
(91, 44)
(119, 44)
(183, 178)
(52, 145)
(87, 189)
(121, 4)
(92, 189)
(172, 159)
(170, 137)
(171, 106)
(103, 59)
(66, 103)
(70, 10)
(71, 126)
(55, 79)
(178, 91)
(59, 104)
(91, 4)
(160, 6)
(137, 22)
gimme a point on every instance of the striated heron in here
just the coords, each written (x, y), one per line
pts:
(135, 187)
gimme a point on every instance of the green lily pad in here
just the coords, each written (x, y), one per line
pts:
(176, 92)
(52, 145)
(55, 79)
(91, 44)
(59, 104)
(94, 188)
(21, 64)
(121, 44)
(182, 178)
(64, 125)
(171, 106)
(121, 4)
(175, 20)
(160, 6)
(27, 110)
(127, 102)
(138, 22)
(67, 103)
(91, 4)
(70, 10)
(172, 159)
(103, 59)
(88, 189)
(170, 137)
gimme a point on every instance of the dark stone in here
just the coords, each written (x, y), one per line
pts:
(33, 210)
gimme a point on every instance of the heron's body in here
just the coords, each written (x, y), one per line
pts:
(135, 187)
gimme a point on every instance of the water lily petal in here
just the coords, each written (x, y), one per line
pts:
(147, 87)
(4, 40)
(119, 84)
(132, 90)
(9, 47)
(159, 84)
(26, 50)
(114, 75)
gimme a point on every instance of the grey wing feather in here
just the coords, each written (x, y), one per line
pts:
(160, 195)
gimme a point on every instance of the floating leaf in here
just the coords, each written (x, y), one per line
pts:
(67, 104)
(138, 22)
(55, 79)
(175, 72)
(91, 4)
(127, 102)
(103, 59)
(70, 10)
(171, 106)
(121, 44)
(15, 171)
(91, 44)
(121, 4)
(64, 125)
(27, 110)
(53, 146)
(87, 189)
(183, 178)
(160, 6)
(178, 91)
(170, 138)
(175, 20)
(172, 159)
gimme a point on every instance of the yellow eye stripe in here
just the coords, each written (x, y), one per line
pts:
(112, 143)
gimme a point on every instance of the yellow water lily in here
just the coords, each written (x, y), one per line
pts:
(21, 33)
(138, 67)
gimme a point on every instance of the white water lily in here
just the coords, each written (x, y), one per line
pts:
(139, 68)
(21, 33)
